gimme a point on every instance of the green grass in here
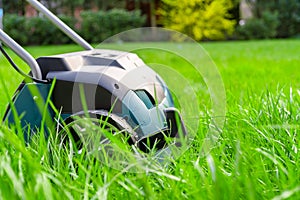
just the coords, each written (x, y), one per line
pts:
(256, 155)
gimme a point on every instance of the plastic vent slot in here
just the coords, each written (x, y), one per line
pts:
(146, 98)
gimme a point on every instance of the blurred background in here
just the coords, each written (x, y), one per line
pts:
(203, 20)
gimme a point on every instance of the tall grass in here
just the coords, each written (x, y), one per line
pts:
(256, 157)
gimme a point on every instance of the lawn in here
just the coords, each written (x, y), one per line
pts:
(256, 155)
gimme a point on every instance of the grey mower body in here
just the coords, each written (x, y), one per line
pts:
(105, 83)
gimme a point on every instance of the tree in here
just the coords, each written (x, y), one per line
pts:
(152, 6)
(200, 19)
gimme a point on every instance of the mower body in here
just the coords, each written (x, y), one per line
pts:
(103, 83)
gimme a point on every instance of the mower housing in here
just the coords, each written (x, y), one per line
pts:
(105, 83)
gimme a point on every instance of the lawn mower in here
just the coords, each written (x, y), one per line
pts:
(115, 86)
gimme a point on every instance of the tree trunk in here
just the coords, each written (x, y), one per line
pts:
(152, 13)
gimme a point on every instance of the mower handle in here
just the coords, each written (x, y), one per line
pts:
(20, 51)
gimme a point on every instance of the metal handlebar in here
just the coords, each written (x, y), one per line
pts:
(20, 51)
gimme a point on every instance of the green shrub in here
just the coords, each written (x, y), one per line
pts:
(14, 26)
(95, 27)
(98, 26)
(259, 28)
(288, 14)
(35, 30)
(39, 30)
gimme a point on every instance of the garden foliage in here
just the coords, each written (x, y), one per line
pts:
(36, 30)
(272, 18)
(260, 28)
(202, 20)
(95, 26)
(98, 26)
